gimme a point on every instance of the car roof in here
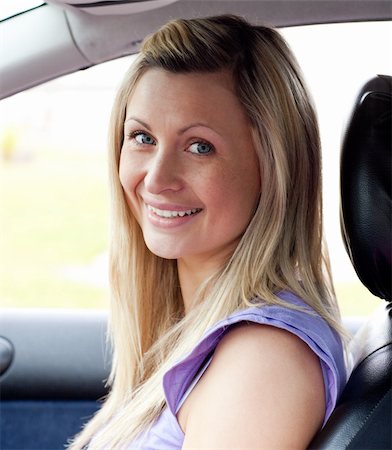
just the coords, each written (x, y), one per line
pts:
(61, 37)
(277, 12)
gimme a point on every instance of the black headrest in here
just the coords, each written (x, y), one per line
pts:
(366, 186)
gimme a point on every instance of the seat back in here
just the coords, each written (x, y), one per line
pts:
(363, 416)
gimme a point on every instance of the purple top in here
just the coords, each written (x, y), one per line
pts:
(179, 380)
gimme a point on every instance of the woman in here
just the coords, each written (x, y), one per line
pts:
(223, 320)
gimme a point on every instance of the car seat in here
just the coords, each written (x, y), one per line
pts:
(363, 416)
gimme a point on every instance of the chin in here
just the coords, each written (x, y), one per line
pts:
(162, 251)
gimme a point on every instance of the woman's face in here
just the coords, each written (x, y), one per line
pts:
(188, 165)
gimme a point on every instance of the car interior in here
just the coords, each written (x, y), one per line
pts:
(362, 418)
(54, 362)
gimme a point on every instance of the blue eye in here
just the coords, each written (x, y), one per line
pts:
(201, 148)
(143, 138)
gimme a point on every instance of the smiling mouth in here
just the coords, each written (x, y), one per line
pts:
(166, 214)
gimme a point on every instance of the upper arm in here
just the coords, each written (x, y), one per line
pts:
(263, 389)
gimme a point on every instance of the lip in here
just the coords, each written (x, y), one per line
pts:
(167, 223)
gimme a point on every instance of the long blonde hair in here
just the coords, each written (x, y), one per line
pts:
(281, 248)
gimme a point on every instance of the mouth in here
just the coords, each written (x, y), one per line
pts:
(168, 214)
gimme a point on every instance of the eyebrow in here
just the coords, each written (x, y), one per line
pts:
(138, 120)
(181, 131)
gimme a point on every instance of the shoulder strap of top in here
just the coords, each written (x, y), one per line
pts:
(305, 323)
(195, 380)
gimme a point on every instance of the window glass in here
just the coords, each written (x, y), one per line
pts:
(54, 194)
(53, 175)
(11, 8)
(337, 60)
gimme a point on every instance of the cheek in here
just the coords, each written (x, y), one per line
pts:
(124, 171)
(129, 181)
(221, 193)
(127, 174)
(124, 177)
(242, 192)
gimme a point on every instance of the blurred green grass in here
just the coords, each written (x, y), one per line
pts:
(54, 216)
(355, 300)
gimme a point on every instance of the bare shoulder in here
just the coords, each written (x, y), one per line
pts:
(263, 389)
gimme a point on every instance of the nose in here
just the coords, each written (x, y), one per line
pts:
(163, 173)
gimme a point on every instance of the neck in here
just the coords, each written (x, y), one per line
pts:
(192, 272)
(191, 276)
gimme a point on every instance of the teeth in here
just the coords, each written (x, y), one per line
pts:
(171, 214)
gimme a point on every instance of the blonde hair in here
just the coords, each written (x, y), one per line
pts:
(281, 248)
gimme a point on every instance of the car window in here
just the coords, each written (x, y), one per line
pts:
(337, 60)
(54, 196)
(9, 9)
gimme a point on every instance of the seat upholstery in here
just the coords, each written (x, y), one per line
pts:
(363, 416)
(366, 187)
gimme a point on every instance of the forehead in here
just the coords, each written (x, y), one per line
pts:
(208, 94)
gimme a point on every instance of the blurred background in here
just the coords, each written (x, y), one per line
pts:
(53, 177)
